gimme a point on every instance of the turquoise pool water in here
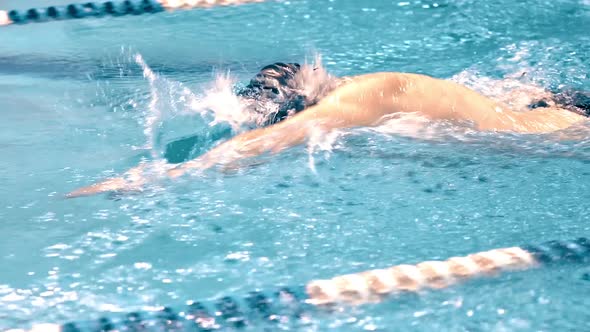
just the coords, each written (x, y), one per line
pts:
(75, 109)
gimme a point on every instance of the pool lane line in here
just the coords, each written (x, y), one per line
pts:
(294, 304)
(108, 8)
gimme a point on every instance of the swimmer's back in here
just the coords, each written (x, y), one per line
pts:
(366, 99)
(389, 92)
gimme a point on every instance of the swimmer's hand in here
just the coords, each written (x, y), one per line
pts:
(133, 181)
(201, 163)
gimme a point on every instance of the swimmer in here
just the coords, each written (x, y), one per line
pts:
(365, 100)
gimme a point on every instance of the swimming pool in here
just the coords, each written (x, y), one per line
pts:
(76, 107)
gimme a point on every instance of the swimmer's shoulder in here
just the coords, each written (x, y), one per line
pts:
(352, 88)
(393, 78)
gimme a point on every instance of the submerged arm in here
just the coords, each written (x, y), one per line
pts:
(273, 139)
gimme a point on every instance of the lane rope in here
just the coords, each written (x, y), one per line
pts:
(108, 8)
(294, 304)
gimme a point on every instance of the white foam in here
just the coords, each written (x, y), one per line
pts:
(4, 19)
(169, 99)
(220, 100)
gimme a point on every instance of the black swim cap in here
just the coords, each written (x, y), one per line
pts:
(575, 101)
(273, 81)
(276, 83)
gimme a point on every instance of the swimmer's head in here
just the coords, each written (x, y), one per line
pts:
(276, 84)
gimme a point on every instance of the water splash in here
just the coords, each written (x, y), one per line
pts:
(219, 104)
(154, 114)
(160, 106)
(320, 141)
(314, 81)
(168, 99)
(225, 106)
(412, 125)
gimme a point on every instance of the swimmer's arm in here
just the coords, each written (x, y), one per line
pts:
(133, 180)
(273, 139)
(294, 131)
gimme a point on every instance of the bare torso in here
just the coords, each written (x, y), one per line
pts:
(374, 96)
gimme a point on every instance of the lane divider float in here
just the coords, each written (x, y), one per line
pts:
(108, 8)
(294, 304)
